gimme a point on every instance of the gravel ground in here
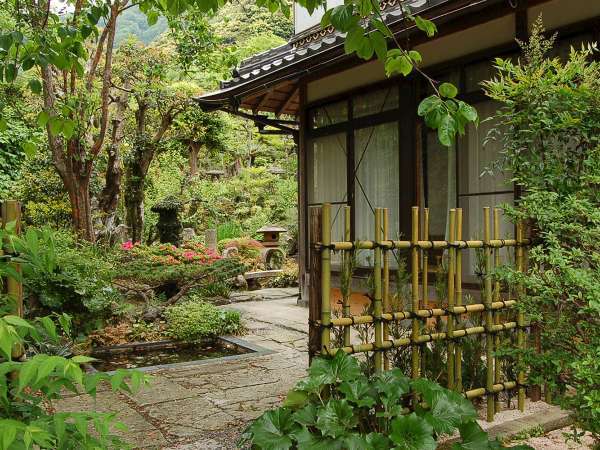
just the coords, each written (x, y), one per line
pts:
(555, 440)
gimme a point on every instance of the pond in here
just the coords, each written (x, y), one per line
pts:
(164, 353)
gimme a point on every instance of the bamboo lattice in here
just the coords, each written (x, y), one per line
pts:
(492, 307)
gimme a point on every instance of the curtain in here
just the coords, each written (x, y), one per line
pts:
(376, 185)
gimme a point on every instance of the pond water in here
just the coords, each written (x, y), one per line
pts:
(145, 356)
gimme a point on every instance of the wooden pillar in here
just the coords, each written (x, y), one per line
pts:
(314, 283)
(11, 213)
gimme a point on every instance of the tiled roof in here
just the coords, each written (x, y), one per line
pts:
(288, 54)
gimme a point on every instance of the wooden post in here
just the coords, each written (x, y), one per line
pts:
(489, 317)
(451, 304)
(415, 350)
(11, 212)
(458, 301)
(325, 279)
(314, 284)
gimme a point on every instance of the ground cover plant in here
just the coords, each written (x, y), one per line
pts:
(194, 320)
(549, 120)
(339, 407)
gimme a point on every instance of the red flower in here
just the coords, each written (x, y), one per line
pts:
(127, 245)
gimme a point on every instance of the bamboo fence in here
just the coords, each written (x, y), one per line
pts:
(452, 310)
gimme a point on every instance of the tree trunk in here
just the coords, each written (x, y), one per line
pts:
(194, 150)
(78, 188)
(136, 169)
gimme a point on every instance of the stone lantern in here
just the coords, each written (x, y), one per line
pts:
(215, 174)
(169, 226)
(271, 235)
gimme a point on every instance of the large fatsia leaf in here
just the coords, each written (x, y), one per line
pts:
(306, 416)
(309, 441)
(448, 410)
(412, 432)
(331, 370)
(473, 437)
(336, 418)
(428, 389)
(392, 386)
(377, 441)
(358, 392)
(273, 430)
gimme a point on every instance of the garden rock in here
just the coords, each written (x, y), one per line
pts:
(188, 234)
(152, 314)
(120, 234)
(240, 282)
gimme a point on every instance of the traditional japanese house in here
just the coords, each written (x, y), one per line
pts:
(360, 141)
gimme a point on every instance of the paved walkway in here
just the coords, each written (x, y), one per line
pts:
(207, 406)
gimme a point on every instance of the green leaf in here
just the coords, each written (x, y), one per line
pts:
(383, 29)
(152, 17)
(377, 441)
(398, 64)
(379, 45)
(448, 90)
(428, 104)
(27, 372)
(295, 399)
(415, 56)
(358, 392)
(35, 86)
(309, 441)
(447, 130)
(341, 367)
(10, 72)
(336, 418)
(467, 111)
(42, 118)
(411, 432)
(342, 17)
(3, 124)
(473, 437)
(425, 25)
(82, 359)
(29, 148)
(56, 124)
(306, 416)
(68, 128)
(273, 429)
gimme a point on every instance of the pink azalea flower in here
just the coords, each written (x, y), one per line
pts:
(127, 245)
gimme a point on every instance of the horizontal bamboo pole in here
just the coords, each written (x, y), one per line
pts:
(425, 245)
(499, 387)
(422, 313)
(423, 338)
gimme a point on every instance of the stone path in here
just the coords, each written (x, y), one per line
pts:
(207, 406)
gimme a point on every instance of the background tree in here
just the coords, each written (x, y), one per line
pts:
(549, 125)
(157, 100)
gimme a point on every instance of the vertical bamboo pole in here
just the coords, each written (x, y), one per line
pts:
(386, 283)
(326, 279)
(415, 350)
(520, 322)
(451, 304)
(459, 301)
(314, 283)
(377, 305)
(489, 320)
(497, 362)
(348, 256)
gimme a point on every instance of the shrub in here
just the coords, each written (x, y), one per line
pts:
(549, 126)
(195, 320)
(339, 407)
(28, 390)
(64, 274)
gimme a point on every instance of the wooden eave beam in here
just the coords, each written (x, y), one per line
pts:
(287, 102)
(263, 101)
